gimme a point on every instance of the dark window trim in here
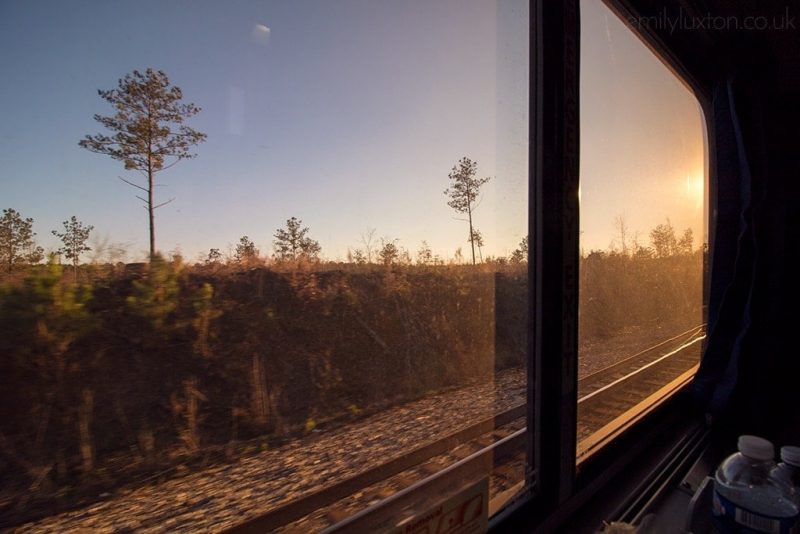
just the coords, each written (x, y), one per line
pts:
(553, 226)
(554, 223)
(554, 158)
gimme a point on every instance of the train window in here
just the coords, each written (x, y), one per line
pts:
(643, 168)
(324, 301)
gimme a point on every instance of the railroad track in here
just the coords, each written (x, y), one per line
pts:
(425, 459)
(613, 399)
(620, 370)
(609, 401)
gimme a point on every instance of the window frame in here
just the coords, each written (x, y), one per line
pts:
(557, 487)
(554, 168)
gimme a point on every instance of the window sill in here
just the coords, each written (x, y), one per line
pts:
(626, 479)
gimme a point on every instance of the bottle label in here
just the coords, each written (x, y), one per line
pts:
(729, 518)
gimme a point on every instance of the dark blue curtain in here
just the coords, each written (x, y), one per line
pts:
(749, 379)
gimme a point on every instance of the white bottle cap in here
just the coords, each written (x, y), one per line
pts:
(791, 455)
(756, 448)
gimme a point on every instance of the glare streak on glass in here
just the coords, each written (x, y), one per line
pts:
(250, 252)
(643, 229)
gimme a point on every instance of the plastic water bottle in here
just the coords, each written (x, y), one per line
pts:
(787, 475)
(746, 498)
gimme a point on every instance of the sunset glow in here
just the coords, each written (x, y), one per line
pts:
(696, 188)
(642, 138)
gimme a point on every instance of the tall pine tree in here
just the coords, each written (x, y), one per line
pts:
(149, 134)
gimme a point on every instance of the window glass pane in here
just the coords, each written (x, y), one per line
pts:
(303, 274)
(643, 229)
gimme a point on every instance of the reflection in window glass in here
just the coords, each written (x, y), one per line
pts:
(298, 303)
(643, 233)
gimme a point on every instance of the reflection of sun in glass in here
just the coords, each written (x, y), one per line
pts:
(695, 188)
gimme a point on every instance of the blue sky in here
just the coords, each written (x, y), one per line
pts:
(346, 114)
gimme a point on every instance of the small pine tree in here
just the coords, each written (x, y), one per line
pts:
(74, 238)
(292, 243)
(477, 240)
(214, 257)
(424, 254)
(356, 256)
(663, 239)
(686, 242)
(520, 254)
(155, 298)
(17, 246)
(246, 250)
(389, 252)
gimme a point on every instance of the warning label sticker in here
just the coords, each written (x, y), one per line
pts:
(466, 512)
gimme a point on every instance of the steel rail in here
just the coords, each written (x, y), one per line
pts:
(293, 510)
(298, 508)
(602, 373)
(639, 370)
(373, 518)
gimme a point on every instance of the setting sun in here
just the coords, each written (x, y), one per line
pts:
(695, 188)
